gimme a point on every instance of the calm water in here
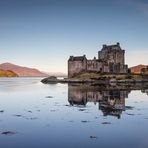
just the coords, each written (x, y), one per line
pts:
(36, 115)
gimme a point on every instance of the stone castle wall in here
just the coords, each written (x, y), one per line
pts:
(76, 65)
(94, 65)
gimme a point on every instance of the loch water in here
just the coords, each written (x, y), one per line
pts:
(39, 115)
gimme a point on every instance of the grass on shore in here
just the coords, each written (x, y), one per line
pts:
(105, 76)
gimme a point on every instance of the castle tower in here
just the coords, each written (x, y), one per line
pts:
(112, 54)
(76, 65)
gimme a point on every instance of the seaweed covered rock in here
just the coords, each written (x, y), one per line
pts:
(51, 79)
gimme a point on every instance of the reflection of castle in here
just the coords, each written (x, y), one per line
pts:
(145, 91)
(111, 102)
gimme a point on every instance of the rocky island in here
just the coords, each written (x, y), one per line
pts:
(109, 67)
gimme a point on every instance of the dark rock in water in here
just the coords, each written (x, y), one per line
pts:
(93, 137)
(8, 133)
(18, 115)
(130, 114)
(67, 105)
(84, 121)
(51, 79)
(29, 111)
(81, 109)
(1, 111)
(33, 118)
(106, 123)
(49, 97)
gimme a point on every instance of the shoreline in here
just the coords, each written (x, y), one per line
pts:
(49, 80)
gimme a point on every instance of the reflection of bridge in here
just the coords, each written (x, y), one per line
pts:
(111, 102)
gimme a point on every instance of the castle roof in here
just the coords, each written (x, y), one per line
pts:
(77, 58)
(112, 47)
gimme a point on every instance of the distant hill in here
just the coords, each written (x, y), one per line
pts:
(22, 71)
(7, 73)
(139, 69)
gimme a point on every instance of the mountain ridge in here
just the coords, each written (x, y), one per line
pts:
(22, 71)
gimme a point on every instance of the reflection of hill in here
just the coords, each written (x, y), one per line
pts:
(111, 99)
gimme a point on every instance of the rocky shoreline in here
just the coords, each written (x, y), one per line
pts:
(51, 80)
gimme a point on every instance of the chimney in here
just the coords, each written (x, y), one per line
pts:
(104, 45)
(71, 58)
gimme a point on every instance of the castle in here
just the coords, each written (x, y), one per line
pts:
(110, 60)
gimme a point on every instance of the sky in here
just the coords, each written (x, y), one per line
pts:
(44, 33)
